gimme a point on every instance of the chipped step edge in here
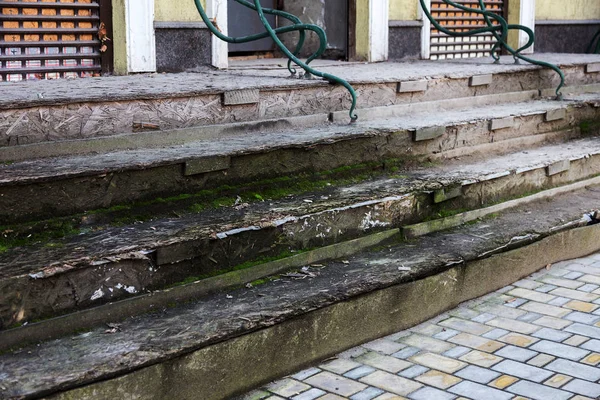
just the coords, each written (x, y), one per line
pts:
(112, 312)
(424, 228)
(146, 140)
(400, 110)
(386, 310)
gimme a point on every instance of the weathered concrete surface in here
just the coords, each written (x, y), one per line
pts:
(299, 315)
(69, 185)
(33, 112)
(108, 264)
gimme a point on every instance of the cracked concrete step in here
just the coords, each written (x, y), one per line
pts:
(72, 184)
(46, 112)
(230, 342)
(100, 262)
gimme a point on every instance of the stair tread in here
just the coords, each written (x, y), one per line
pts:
(138, 239)
(209, 81)
(154, 338)
(90, 164)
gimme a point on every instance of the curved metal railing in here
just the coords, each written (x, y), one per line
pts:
(500, 32)
(296, 26)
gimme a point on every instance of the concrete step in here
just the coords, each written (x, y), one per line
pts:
(73, 184)
(36, 112)
(77, 263)
(232, 341)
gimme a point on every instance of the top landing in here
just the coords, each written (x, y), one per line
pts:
(256, 74)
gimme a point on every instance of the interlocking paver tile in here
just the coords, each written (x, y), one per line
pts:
(557, 381)
(436, 361)
(552, 334)
(527, 284)
(503, 381)
(428, 343)
(446, 334)
(592, 344)
(336, 384)
(384, 346)
(530, 317)
(584, 330)
(502, 311)
(339, 365)
(456, 352)
(574, 294)
(559, 301)
(495, 333)
(477, 374)
(583, 388)
(583, 269)
(552, 322)
(311, 394)
(581, 306)
(590, 279)
(391, 383)
(538, 392)
(474, 390)
(359, 372)
(438, 379)
(531, 295)
(302, 375)
(588, 287)
(522, 371)
(483, 318)
(428, 393)
(367, 394)
(476, 342)
(427, 329)
(559, 350)
(576, 340)
(545, 309)
(514, 302)
(413, 371)
(573, 274)
(592, 359)
(288, 387)
(513, 325)
(386, 363)
(574, 369)
(480, 358)
(518, 339)
(462, 325)
(568, 283)
(407, 352)
(516, 353)
(583, 318)
(545, 288)
(540, 360)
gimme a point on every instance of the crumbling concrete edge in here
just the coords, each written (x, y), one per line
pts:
(224, 369)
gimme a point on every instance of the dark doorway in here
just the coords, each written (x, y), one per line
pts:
(243, 21)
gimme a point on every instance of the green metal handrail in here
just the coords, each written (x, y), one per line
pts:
(500, 33)
(297, 26)
(594, 46)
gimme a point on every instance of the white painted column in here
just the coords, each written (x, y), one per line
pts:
(526, 18)
(379, 30)
(141, 43)
(425, 32)
(217, 11)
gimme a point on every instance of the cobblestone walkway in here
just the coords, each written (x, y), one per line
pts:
(538, 339)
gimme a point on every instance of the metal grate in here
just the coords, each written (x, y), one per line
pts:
(448, 47)
(49, 39)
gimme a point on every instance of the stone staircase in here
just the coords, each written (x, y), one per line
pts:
(219, 249)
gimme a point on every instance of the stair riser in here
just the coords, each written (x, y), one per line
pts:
(86, 120)
(73, 195)
(84, 285)
(239, 364)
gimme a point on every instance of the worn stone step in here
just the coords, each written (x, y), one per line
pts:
(230, 342)
(34, 112)
(99, 262)
(73, 184)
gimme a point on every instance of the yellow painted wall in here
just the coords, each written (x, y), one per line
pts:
(567, 9)
(176, 11)
(362, 29)
(404, 10)
(119, 39)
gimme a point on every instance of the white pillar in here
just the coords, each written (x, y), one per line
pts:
(141, 43)
(425, 32)
(379, 30)
(526, 18)
(217, 11)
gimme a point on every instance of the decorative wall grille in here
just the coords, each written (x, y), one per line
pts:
(448, 47)
(49, 39)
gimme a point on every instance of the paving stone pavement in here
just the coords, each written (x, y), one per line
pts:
(537, 339)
